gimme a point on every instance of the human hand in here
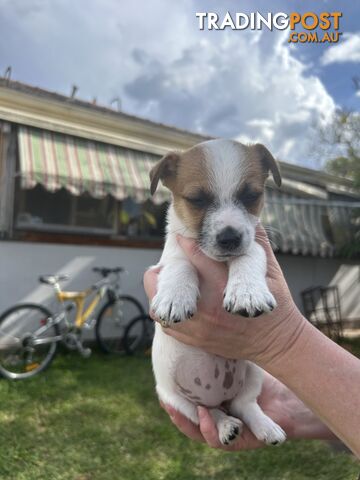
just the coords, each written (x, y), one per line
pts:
(277, 401)
(263, 340)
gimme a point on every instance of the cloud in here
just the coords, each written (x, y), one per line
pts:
(348, 50)
(242, 85)
(224, 88)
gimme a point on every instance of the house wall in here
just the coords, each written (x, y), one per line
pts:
(303, 272)
(22, 263)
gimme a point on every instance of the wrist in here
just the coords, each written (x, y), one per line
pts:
(311, 428)
(291, 339)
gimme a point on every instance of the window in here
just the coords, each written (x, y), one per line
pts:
(143, 220)
(41, 210)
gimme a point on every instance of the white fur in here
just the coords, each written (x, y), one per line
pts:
(221, 153)
(186, 376)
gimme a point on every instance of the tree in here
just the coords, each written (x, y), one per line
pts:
(340, 146)
(342, 136)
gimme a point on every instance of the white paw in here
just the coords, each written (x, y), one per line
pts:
(173, 306)
(248, 300)
(229, 429)
(269, 432)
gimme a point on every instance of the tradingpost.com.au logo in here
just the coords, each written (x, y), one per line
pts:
(316, 27)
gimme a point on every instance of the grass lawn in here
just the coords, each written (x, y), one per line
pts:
(99, 419)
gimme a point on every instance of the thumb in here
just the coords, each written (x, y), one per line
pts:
(150, 281)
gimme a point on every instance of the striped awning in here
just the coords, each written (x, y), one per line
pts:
(296, 225)
(310, 226)
(59, 161)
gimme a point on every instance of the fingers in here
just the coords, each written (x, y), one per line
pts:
(205, 266)
(208, 428)
(150, 281)
(185, 426)
(207, 431)
(211, 436)
(180, 337)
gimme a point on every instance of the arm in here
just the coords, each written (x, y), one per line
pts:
(323, 375)
(327, 378)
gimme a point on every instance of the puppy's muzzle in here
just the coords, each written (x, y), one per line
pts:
(228, 239)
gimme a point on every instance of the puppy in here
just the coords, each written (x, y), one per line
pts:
(217, 195)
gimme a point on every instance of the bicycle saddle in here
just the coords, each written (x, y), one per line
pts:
(52, 279)
(104, 271)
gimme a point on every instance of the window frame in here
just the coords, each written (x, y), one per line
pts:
(79, 235)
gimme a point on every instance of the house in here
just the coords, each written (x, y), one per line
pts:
(74, 193)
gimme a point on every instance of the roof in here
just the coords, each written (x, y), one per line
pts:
(47, 94)
(32, 106)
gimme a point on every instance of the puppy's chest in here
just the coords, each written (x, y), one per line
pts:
(209, 380)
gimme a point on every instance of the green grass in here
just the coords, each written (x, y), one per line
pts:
(99, 419)
(353, 345)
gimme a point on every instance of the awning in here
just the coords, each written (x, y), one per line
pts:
(59, 161)
(310, 226)
(306, 226)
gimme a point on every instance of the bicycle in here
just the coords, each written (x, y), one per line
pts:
(30, 332)
(139, 335)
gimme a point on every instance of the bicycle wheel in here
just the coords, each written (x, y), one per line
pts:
(112, 321)
(139, 335)
(20, 327)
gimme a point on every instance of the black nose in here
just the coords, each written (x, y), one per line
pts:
(228, 239)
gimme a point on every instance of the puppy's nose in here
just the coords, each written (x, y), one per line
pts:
(228, 239)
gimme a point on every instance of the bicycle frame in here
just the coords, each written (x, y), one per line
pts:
(81, 316)
(79, 299)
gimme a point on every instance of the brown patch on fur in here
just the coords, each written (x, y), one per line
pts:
(254, 177)
(186, 174)
(191, 177)
(268, 163)
(184, 390)
(228, 380)
(259, 163)
(165, 170)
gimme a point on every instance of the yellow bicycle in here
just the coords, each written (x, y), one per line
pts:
(30, 333)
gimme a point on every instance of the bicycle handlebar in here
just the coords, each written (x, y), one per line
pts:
(104, 271)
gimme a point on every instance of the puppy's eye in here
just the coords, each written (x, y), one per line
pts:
(248, 196)
(200, 200)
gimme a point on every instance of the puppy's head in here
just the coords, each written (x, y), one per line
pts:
(218, 189)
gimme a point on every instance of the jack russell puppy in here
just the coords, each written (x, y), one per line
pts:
(217, 195)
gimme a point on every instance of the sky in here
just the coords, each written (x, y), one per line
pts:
(248, 85)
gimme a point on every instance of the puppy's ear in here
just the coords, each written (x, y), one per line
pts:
(268, 162)
(164, 170)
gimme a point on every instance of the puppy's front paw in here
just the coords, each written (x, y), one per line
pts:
(174, 306)
(251, 301)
